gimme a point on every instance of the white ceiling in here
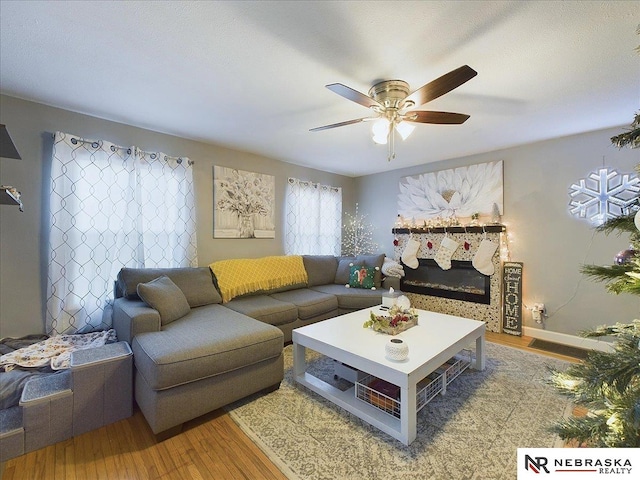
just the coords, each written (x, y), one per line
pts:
(251, 75)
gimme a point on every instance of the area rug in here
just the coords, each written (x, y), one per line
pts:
(472, 432)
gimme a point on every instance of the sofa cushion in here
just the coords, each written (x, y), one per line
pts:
(372, 261)
(362, 277)
(195, 282)
(164, 296)
(342, 272)
(321, 269)
(310, 303)
(352, 298)
(265, 309)
(208, 341)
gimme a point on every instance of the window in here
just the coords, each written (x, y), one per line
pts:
(313, 219)
(111, 207)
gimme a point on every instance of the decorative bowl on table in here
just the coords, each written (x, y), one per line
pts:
(398, 320)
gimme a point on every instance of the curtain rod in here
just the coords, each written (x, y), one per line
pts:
(315, 185)
(153, 155)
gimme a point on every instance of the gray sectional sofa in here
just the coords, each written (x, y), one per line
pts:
(194, 354)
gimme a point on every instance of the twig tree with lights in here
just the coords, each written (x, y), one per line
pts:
(357, 237)
(607, 384)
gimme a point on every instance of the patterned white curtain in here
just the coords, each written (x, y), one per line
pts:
(111, 207)
(313, 219)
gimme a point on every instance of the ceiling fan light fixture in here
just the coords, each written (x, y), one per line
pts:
(404, 129)
(380, 139)
(392, 106)
(380, 130)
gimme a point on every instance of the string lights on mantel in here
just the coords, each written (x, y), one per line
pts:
(451, 229)
(445, 224)
(453, 225)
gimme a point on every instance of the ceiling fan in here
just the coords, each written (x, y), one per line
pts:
(393, 105)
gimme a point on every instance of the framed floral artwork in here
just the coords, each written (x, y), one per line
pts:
(243, 204)
(465, 192)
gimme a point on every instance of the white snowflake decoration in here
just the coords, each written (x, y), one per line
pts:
(603, 194)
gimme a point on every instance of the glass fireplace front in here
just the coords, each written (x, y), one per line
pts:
(461, 282)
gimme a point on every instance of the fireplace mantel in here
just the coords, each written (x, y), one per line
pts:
(452, 229)
(470, 236)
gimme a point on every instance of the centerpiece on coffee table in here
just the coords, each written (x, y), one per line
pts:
(398, 320)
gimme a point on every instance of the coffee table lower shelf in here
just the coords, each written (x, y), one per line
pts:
(347, 400)
(427, 389)
(385, 413)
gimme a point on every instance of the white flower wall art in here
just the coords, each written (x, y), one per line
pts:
(458, 192)
(243, 204)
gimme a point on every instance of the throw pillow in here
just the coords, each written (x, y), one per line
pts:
(362, 277)
(166, 297)
(372, 261)
(197, 283)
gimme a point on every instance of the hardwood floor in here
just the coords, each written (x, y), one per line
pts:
(522, 343)
(210, 447)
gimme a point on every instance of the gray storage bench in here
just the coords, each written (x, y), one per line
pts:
(95, 391)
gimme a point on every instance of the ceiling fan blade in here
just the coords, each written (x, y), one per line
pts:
(441, 85)
(445, 118)
(340, 124)
(353, 95)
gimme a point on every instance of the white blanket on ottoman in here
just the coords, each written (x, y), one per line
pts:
(54, 351)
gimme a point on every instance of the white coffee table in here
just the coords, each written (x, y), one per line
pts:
(435, 339)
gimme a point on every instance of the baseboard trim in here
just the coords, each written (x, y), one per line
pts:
(571, 340)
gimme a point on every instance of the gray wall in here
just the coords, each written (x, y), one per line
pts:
(551, 243)
(23, 236)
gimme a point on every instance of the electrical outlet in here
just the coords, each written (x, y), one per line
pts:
(537, 312)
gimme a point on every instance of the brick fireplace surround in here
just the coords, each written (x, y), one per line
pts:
(491, 314)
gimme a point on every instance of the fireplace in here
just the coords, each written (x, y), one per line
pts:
(461, 282)
(462, 290)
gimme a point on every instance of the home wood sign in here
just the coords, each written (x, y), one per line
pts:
(512, 298)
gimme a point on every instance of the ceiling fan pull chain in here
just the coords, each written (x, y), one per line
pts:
(391, 140)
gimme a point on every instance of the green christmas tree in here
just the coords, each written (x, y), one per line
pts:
(357, 236)
(607, 384)
(630, 138)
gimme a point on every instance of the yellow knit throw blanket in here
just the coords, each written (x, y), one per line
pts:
(248, 275)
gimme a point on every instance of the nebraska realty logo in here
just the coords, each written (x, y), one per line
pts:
(578, 463)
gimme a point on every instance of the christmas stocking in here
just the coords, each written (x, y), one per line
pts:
(445, 252)
(482, 260)
(409, 256)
